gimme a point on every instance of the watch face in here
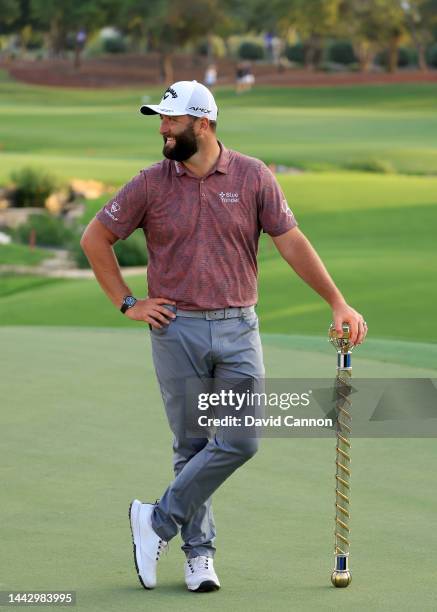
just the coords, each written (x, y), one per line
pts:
(130, 301)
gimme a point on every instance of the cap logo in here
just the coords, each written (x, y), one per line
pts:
(199, 108)
(169, 91)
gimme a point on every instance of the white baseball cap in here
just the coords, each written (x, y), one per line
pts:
(184, 98)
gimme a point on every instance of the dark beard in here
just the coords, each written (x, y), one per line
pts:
(185, 146)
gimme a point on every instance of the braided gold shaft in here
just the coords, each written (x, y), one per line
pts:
(341, 576)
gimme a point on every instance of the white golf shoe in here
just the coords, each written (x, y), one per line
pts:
(148, 546)
(200, 575)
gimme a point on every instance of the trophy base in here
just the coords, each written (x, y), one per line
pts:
(341, 579)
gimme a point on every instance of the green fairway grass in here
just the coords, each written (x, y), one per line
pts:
(18, 284)
(101, 135)
(22, 254)
(82, 422)
(84, 431)
(375, 234)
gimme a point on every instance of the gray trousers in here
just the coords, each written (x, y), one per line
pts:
(198, 348)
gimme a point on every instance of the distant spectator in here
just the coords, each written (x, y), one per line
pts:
(81, 39)
(79, 46)
(268, 43)
(244, 77)
(276, 50)
(211, 76)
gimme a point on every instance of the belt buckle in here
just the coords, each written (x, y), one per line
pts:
(214, 315)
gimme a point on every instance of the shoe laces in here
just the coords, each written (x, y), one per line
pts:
(162, 546)
(200, 562)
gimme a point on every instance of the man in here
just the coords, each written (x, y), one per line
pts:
(202, 209)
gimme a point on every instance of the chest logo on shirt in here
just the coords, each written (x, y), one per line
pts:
(229, 197)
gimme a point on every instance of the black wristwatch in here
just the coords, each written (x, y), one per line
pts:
(128, 302)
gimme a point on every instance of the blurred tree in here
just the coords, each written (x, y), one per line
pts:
(372, 25)
(15, 18)
(61, 17)
(170, 24)
(135, 18)
(260, 17)
(256, 15)
(421, 19)
(313, 21)
(9, 12)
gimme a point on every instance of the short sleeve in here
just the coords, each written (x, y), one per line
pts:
(127, 210)
(274, 215)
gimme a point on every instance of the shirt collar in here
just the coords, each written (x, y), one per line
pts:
(223, 160)
(220, 166)
(179, 168)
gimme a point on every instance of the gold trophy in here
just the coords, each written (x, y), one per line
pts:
(341, 576)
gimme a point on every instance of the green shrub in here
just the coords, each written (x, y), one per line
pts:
(342, 52)
(129, 252)
(114, 44)
(218, 46)
(94, 46)
(132, 252)
(32, 186)
(70, 41)
(250, 50)
(35, 42)
(78, 255)
(295, 53)
(431, 55)
(50, 231)
(406, 57)
(234, 42)
(372, 165)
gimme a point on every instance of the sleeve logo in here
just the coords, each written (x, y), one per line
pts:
(115, 207)
(285, 208)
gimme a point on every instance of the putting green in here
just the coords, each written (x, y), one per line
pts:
(83, 431)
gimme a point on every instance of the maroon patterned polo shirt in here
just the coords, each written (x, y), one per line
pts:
(202, 234)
